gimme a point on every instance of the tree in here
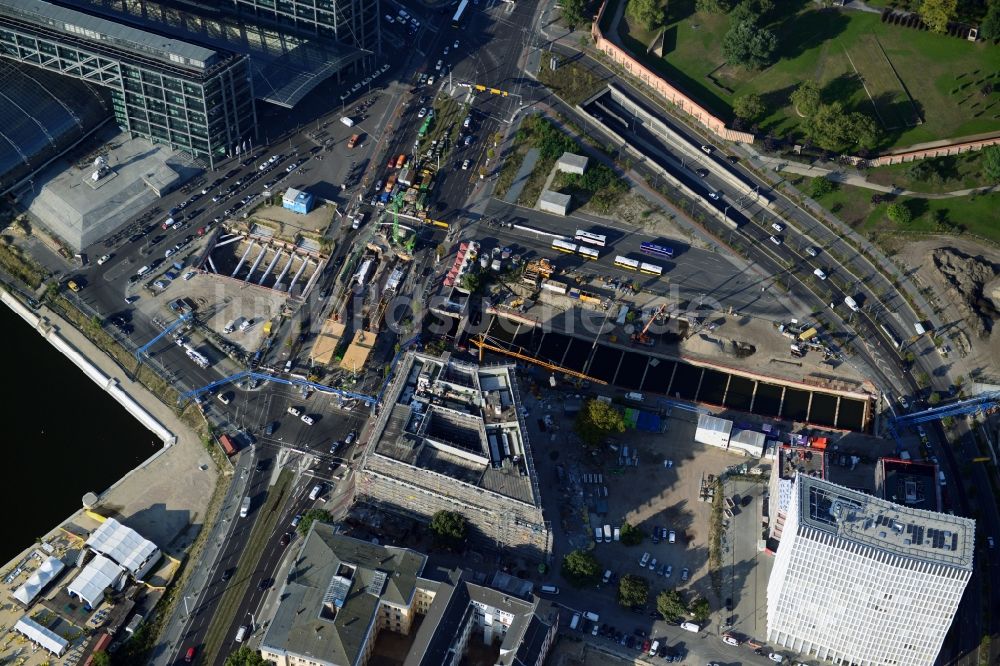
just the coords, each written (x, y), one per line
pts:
(650, 13)
(449, 526)
(713, 6)
(596, 420)
(934, 398)
(245, 657)
(581, 568)
(312, 515)
(989, 29)
(806, 98)
(749, 107)
(991, 161)
(471, 282)
(749, 45)
(670, 604)
(898, 213)
(865, 130)
(937, 13)
(574, 12)
(820, 186)
(631, 535)
(633, 591)
(101, 658)
(700, 610)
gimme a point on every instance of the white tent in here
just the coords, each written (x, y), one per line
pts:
(45, 574)
(42, 636)
(749, 442)
(96, 577)
(125, 546)
(713, 431)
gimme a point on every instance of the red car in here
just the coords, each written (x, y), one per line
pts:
(645, 645)
(189, 657)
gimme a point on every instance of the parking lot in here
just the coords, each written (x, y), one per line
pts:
(658, 489)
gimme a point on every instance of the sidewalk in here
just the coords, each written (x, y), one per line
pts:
(171, 491)
(858, 180)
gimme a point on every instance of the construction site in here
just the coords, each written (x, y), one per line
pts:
(589, 333)
(452, 437)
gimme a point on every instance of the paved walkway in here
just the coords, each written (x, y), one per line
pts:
(527, 166)
(165, 496)
(858, 180)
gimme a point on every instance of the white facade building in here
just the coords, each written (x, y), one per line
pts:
(862, 581)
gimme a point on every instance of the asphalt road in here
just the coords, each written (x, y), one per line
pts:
(881, 303)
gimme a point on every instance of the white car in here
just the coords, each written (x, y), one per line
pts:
(775, 240)
(778, 226)
(430, 80)
(715, 195)
(247, 324)
(103, 259)
(160, 284)
(652, 564)
(730, 640)
(707, 149)
(465, 165)
(819, 273)
(295, 411)
(188, 275)
(775, 657)
(422, 112)
(455, 45)
(437, 67)
(223, 398)
(308, 420)
(446, 51)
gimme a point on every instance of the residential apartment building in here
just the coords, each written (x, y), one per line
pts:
(341, 593)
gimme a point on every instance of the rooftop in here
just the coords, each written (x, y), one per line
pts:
(99, 30)
(901, 530)
(462, 421)
(556, 198)
(332, 593)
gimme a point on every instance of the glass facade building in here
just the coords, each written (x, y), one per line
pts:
(181, 94)
(860, 580)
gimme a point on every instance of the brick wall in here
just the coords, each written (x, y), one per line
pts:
(662, 87)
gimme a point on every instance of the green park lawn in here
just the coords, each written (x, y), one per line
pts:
(976, 214)
(942, 74)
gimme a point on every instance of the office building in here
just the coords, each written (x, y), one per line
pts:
(342, 593)
(859, 580)
(185, 74)
(451, 436)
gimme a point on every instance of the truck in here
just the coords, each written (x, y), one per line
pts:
(390, 182)
(245, 507)
(575, 622)
(404, 176)
(347, 121)
(401, 160)
(353, 141)
(228, 445)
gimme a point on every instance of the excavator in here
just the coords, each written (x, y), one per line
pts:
(641, 338)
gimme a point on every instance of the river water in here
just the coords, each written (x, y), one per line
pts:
(63, 437)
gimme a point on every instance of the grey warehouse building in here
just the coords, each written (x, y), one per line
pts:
(186, 75)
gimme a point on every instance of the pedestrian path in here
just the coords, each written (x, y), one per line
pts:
(778, 164)
(527, 166)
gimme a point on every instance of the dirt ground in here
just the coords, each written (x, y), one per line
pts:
(291, 223)
(983, 354)
(220, 301)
